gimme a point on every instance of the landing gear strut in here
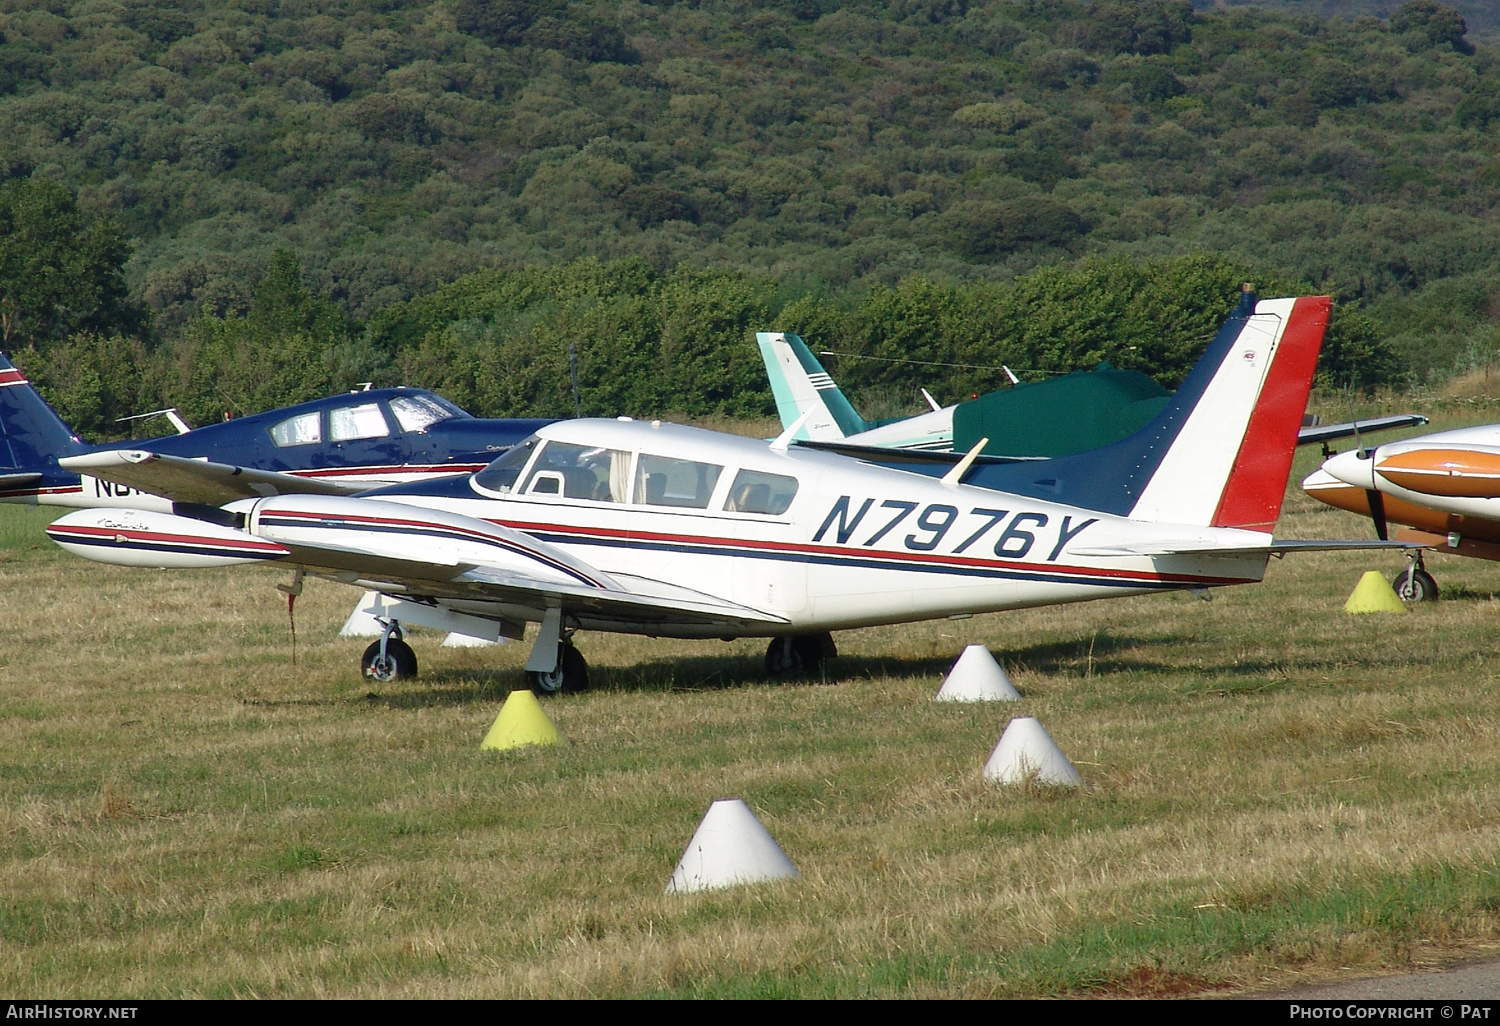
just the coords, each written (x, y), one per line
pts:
(571, 673)
(799, 654)
(1415, 584)
(555, 665)
(390, 658)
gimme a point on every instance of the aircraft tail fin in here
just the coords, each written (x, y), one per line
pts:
(1220, 452)
(800, 384)
(30, 430)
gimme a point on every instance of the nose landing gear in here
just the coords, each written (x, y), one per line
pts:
(390, 658)
(1415, 584)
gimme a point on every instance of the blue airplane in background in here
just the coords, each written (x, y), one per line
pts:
(336, 446)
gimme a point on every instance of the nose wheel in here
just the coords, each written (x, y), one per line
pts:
(1415, 584)
(390, 658)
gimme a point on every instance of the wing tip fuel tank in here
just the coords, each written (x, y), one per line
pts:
(127, 537)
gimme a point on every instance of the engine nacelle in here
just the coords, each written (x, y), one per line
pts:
(131, 537)
(1461, 473)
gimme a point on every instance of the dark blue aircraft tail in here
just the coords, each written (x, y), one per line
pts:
(1218, 454)
(32, 435)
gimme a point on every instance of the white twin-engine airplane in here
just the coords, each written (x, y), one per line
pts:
(662, 530)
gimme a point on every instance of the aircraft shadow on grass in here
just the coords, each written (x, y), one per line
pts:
(1110, 654)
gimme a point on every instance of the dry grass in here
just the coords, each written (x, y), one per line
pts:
(1277, 792)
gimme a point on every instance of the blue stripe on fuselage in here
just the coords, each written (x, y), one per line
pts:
(853, 561)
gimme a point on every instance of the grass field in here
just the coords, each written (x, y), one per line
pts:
(1277, 793)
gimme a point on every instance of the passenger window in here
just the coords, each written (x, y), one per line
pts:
(303, 429)
(583, 471)
(353, 422)
(663, 481)
(757, 492)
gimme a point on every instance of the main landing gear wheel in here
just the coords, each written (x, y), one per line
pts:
(398, 663)
(799, 654)
(570, 675)
(1415, 584)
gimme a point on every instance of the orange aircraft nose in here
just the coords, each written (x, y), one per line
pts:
(1451, 472)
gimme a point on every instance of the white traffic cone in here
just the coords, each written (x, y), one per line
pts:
(1027, 752)
(730, 847)
(977, 677)
(361, 624)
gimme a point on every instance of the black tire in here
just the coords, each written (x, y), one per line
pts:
(400, 662)
(571, 675)
(783, 659)
(798, 655)
(1415, 586)
(813, 650)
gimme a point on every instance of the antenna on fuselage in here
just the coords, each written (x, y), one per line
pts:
(182, 427)
(781, 441)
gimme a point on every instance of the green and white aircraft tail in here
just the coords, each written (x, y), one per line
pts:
(802, 387)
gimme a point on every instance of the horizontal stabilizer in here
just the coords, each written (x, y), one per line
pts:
(886, 456)
(18, 480)
(198, 481)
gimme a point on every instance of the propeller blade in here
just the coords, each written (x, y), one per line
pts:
(1377, 513)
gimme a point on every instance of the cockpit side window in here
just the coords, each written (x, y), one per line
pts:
(499, 478)
(352, 422)
(303, 429)
(754, 491)
(663, 481)
(418, 412)
(583, 471)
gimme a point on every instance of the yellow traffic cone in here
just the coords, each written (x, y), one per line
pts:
(1373, 594)
(522, 722)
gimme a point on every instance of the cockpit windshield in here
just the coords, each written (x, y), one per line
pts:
(419, 412)
(499, 478)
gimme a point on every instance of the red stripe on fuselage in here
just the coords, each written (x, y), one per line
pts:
(729, 544)
(60, 490)
(1257, 482)
(934, 559)
(12, 377)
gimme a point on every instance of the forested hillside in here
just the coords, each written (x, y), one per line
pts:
(820, 156)
(1482, 16)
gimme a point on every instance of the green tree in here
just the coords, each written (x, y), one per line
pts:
(94, 380)
(60, 271)
(500, 22)
(1437, 23)
(290, 347)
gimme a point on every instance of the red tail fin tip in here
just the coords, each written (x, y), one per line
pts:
(1257, 483)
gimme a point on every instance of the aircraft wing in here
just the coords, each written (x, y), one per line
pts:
(1328, 432)
(199, 481)
(1199, 547)
(423, 554)
(630, 599)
